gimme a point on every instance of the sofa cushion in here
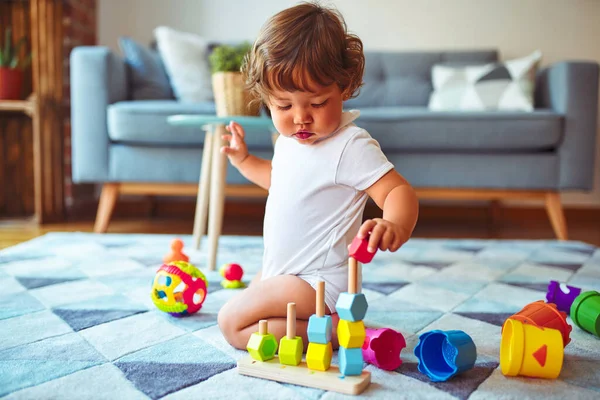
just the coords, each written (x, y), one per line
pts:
(527, 171)
(404, 78)
(417, 128)
(185, 56)
(506, 85)
(149, 80)
(133, 163)
(145, 122)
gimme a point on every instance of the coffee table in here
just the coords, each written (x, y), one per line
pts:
(213, 173)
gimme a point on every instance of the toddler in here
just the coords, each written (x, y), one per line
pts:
(303, 66)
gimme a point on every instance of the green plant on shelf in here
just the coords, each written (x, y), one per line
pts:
(227, 58)
(9, 54)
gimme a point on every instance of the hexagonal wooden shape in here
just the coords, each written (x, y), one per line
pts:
(318, 356)
(350, 360)
(319, 329)
(262, 345)
(352, 306)
(358, 250)
(290, 350)
(351, 334)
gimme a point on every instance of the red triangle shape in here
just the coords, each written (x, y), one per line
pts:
(540, 355)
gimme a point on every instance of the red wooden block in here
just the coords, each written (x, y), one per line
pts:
(358, 250)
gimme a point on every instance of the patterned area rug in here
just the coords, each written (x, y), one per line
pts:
(77, 322)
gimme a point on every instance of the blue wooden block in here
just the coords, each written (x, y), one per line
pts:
(351, 361)
(352, 307)
(319, 329)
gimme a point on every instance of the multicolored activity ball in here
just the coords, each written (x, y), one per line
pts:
(179, 288)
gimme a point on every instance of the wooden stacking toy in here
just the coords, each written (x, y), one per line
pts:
(262, 345)
(352, 308)
(317, 371)
(320, 350)
(291, 346)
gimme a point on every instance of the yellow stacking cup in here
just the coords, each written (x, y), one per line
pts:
(528, 350)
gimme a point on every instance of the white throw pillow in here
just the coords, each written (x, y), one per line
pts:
(185, 56)
(507, 85)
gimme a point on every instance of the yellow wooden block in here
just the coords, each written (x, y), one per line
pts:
(351, 334)
(318, 356)
(290, 350)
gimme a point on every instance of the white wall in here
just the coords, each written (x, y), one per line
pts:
(561, 29)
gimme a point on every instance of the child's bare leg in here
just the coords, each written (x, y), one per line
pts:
(256, 277)
(238, 319)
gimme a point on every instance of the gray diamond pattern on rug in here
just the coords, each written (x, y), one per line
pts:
(34, 283)
(462, 386)
(76, 318)
(157, 380)
(81, 319)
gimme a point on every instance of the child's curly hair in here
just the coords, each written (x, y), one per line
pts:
(303, 44)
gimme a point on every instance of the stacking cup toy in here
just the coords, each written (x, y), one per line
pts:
(529, 350)
(562, 295)
(382, 348)
(443, 354)
(545, 315)
(585, 312)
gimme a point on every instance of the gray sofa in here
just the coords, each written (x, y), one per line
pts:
(468, 155)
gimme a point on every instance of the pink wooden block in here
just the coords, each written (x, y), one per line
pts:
(358, 250)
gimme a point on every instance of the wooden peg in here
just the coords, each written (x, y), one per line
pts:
(352, 275)
(320, 298)
(291, 320)
(263, 327)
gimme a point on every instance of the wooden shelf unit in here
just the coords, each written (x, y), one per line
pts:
(42, 22)
(26, 106)
(30, 107)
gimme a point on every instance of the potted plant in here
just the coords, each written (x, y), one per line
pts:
(231, 97)
(11, 67)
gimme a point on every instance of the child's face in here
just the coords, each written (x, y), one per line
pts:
(307, 116)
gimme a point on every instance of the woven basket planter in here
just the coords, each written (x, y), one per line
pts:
(230, 96)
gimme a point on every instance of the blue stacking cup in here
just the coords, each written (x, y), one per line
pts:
(443, 354)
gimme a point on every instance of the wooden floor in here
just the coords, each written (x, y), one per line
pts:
(434, 222)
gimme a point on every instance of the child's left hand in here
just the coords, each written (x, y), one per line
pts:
(385, 235)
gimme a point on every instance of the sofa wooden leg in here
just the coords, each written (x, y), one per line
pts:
(108, 198)
(557, 215)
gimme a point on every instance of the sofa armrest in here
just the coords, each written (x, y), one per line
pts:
(571, 89)
(98, 79)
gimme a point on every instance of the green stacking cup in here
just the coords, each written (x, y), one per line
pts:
(585, 312)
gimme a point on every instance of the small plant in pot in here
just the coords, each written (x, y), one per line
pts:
(11, 67)
(231, 97)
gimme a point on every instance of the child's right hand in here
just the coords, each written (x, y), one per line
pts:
(236, 151)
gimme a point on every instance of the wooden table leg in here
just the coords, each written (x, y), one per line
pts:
(217, 196)
(203, 188)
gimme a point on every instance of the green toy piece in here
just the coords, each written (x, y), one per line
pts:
(262, 345)
(585, 312)
(291, 346)
(232, 284)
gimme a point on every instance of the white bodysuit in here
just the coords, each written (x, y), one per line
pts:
(316, 203)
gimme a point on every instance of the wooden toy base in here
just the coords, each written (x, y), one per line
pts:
(301, 375)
